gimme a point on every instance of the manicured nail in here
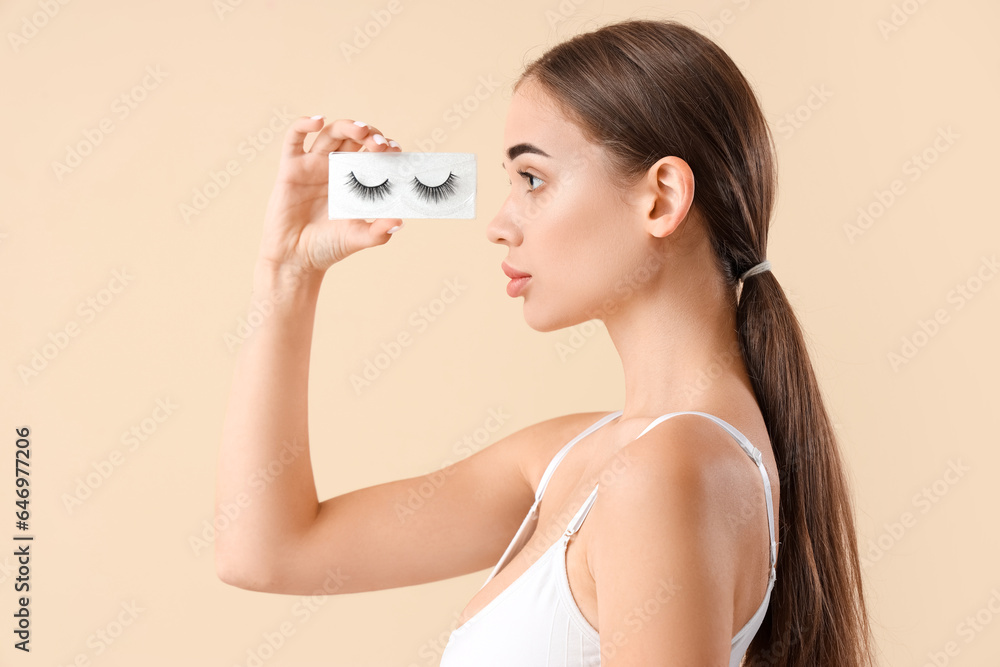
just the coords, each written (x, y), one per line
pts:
(393, 144)
(360, 123)
(316, 117)
(394, 229)
(379, 139)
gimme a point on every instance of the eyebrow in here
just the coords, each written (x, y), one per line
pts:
(518, 149)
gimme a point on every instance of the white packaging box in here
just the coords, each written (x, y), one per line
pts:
(402, 185)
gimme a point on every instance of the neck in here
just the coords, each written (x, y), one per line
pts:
(678, 346)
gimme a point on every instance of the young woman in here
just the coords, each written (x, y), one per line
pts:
(642, 183)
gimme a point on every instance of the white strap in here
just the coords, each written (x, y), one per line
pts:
(557, 459)
(581, 514)
(754, 454)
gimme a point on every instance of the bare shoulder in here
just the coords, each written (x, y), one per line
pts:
(686, 474)
(690, 450)
(675, 512)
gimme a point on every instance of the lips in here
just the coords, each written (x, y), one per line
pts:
(513, 273)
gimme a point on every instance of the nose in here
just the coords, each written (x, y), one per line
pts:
(502, 228)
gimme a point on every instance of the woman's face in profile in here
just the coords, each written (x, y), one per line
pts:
(563, 221)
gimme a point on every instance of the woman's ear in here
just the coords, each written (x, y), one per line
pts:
(668, 192)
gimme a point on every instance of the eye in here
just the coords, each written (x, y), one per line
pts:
(528, 176)
(435, 193)
(371, 193)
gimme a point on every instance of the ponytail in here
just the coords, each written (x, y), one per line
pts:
(817, 614)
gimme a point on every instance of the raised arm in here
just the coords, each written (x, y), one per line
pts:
(415, 530)
(266, 421)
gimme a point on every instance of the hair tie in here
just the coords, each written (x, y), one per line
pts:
(759, 268)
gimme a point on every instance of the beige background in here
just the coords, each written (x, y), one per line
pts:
(162, 336)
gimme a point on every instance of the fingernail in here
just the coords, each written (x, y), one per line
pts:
(360, 123)
(394, 229)
(393, 144)
(316, 117)
(379, 139)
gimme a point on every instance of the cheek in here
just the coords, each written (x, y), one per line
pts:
(578, 247)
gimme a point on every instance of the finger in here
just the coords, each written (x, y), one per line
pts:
(378, 142)
(394, 146)
(376, 139)
(350, 145)
(337, 133)
(386, 226)
(296, 134)
(371, 234)
(347, 135)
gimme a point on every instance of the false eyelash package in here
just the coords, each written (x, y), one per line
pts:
(402, 185)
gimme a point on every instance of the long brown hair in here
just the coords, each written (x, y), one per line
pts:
(644, 89)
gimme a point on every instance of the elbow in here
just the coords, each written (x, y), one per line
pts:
(239, 575)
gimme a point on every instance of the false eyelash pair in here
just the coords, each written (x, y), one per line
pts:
(430, 193)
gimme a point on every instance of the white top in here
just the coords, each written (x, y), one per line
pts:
(535, 622)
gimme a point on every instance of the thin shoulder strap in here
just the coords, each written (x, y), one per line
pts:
(581, 514)
(757, 457)
(557, 459)
(521, 536)
(747, 447)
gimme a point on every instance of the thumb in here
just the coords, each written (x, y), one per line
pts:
(330, 241)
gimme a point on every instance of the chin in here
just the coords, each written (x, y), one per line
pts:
(544, 317)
